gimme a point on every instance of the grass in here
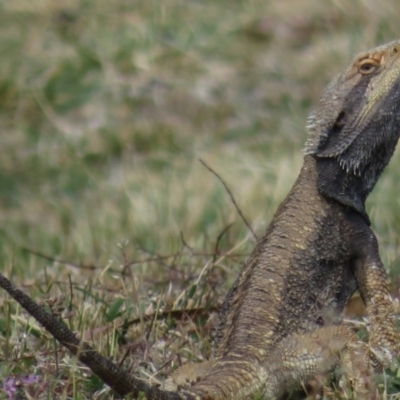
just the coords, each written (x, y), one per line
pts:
(105, 110)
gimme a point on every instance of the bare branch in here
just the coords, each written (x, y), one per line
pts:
(232, 198)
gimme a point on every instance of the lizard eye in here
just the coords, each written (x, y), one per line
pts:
(368, 67)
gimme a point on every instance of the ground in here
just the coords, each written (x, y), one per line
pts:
(106, 109)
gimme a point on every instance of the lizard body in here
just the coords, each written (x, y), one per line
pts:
(280, 322)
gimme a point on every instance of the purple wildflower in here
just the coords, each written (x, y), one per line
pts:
(10, 387)
(32, 383)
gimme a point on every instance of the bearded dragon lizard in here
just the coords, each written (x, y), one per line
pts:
(280, 323)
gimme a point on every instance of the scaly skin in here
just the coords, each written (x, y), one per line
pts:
(280, 323)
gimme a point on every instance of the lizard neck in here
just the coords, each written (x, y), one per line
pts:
(347, 189)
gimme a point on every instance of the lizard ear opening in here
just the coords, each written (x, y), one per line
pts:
(339, 123)
(332, 143)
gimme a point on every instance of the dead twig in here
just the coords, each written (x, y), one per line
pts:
(71, 291)
(232, 198)
(54, 259)
(219, 238)
(190, 248)
(176, 314)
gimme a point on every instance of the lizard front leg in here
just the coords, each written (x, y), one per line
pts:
(374, 286)
(307, 357)
(187, 375)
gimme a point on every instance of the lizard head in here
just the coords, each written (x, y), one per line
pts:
(355, 128)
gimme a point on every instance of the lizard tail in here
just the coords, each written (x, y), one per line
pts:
(114, 376)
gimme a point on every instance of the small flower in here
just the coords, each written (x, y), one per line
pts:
(10, 387)
(32, 383)
(30, 380)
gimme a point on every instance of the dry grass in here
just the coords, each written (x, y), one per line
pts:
(105, 110)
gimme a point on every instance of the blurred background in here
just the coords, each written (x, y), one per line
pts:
(106, 108)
